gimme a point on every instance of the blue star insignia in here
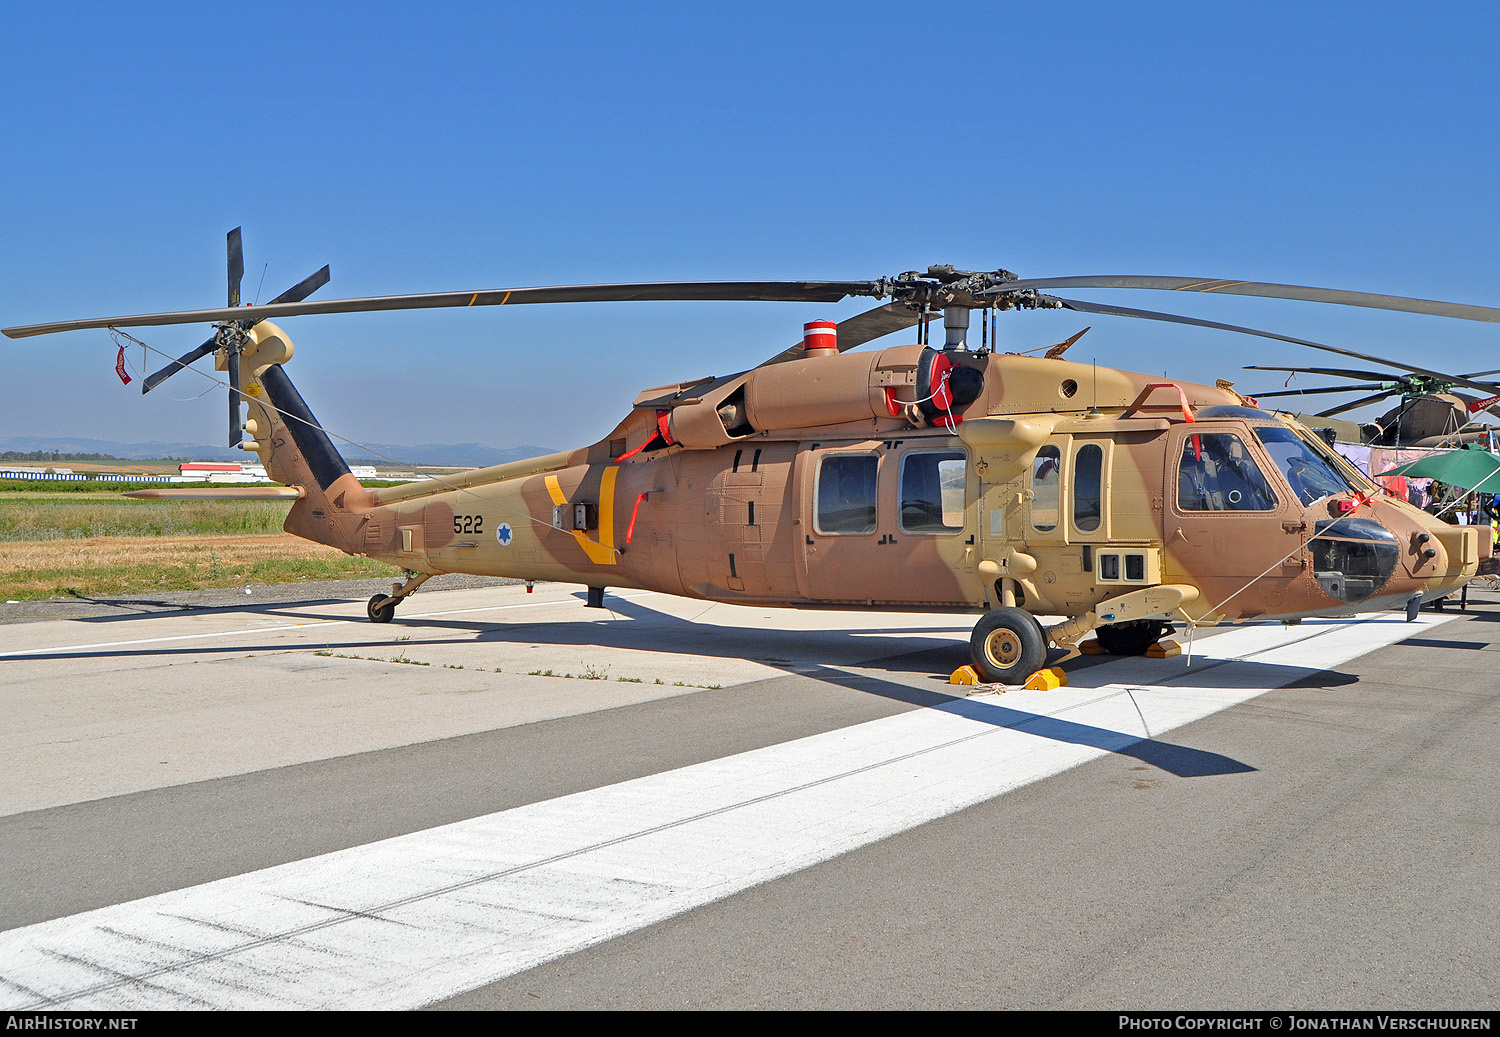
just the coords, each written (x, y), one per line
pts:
(504, 534)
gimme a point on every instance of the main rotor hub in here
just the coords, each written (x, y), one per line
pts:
(956, 293)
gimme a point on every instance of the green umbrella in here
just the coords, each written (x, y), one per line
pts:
(1471, 467)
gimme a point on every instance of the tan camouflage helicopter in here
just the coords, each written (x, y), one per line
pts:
(913, 477)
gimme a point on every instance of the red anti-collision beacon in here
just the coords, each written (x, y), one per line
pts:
(820, 338)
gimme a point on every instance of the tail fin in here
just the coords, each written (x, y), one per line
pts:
(296, 451)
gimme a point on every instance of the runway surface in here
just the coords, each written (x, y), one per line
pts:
(507, 800)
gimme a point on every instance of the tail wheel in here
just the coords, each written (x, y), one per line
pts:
(1131, 638)
(1007, 646)
(381, 609)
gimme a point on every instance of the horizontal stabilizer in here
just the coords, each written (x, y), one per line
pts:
(218, 493)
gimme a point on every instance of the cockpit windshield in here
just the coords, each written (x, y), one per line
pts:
(1311, 476)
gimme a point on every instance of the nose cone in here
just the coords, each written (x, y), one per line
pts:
(1354, 557)
(1442, 558)
(1384, 553)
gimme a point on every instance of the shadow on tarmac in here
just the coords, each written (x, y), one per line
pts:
(630, 624)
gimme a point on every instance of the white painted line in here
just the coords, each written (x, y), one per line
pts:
(411, 920)
(305, 624)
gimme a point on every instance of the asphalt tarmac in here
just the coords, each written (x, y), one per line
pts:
(503, 800)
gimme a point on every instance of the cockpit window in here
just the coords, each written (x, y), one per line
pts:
(1311, 476)
(1217, 473)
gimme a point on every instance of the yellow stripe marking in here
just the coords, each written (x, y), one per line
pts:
(472, 298)
(1210, 286)
(607, 510)
(601, 551)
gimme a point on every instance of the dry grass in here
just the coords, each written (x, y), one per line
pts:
(113, 565)
(97, 544)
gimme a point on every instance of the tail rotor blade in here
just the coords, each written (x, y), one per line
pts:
(236, 425)
(178, 364)
(303, 288)
(296, 293)
(236, 266)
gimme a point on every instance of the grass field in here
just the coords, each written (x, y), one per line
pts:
(96, 543)
(33, 516)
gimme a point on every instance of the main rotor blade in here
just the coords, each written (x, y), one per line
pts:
(1462, 311)
(661, 291)
(876, 323)
(861, 328)
(1337, 372)
(236, 266)
(1362, 401)
(1405, 381)
(1125, 311)
(1322, 389)
(178, 364)
(1177, 318)
(1448, 379)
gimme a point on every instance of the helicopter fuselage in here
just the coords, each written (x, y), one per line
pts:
(1056, 488)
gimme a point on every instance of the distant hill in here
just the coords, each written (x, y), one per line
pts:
(464, 455)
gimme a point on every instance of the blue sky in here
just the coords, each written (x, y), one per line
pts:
(487, 145)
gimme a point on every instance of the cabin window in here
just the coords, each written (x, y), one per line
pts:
(1310, 476)
(1217, 473)
(932, 492)
(1046, 488)
(846, 494)
(1088, 467)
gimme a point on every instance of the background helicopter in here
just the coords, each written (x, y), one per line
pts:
(948, 478)
(1430, 414)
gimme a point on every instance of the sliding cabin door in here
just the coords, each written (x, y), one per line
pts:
(886, 523)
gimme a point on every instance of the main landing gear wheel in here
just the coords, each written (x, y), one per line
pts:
(1007, 646)
(381, 608)
(1131, 638)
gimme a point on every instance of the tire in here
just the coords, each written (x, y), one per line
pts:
(1131, 638)
(381, 609)
(1007, 646)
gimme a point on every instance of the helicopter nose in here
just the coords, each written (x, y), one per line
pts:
(1441, 558)
(1389, 554)
(1354, 557)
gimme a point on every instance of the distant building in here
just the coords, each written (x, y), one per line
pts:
(221, 472)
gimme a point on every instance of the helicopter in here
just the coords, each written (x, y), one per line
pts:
(1430, 415)
(913, 477)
